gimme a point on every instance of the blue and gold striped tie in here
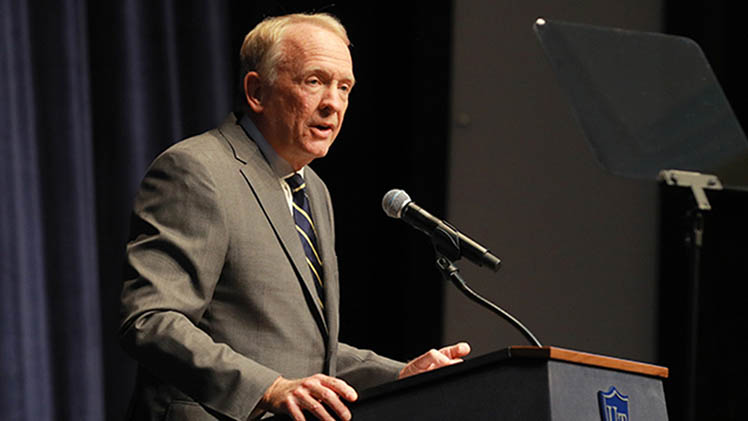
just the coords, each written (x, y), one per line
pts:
(302, 216)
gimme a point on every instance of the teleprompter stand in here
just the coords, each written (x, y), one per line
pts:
(694, 240)
(651, 108)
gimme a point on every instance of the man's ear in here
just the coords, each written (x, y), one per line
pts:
(253, 91)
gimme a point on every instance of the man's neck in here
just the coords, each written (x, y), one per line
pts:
(281, 167)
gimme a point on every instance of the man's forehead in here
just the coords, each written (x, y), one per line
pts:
(310, 36)
(307, 42)
(306, 29)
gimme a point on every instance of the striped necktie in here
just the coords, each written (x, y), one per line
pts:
(302, 216)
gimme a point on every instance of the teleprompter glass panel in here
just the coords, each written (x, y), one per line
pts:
(646, 101)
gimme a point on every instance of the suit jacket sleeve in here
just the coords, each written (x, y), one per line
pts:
(363, 369)
(174, 260)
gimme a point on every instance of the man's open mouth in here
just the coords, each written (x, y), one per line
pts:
(323, 128)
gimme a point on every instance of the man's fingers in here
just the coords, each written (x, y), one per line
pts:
(438, 358)
(435, 359)
(456, 351)
(295, 411)
(317, 395)
(327, 390)
(331, 400)
(307, 400)
(340, 387)
(430, 360)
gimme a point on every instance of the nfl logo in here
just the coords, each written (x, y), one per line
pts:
(613, 405)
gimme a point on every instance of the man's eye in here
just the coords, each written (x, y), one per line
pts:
(313, 81)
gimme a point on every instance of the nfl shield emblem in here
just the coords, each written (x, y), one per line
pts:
(613, 405)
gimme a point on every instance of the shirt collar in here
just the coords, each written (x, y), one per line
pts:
(280, 166)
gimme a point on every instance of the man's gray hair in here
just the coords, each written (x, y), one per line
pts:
(261, 50)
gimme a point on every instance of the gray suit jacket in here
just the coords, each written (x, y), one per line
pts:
(218, 300)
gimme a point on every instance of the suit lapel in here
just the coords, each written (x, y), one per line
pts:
(264, 184)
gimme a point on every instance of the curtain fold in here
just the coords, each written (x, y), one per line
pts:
(25, 375)
(50, 329)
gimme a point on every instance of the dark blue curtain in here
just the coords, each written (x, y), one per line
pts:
(91, 91)
(50, 288)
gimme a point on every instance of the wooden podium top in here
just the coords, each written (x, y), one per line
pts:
(515, 353)
(560, 354)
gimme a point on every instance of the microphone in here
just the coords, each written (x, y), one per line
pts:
(397, 204)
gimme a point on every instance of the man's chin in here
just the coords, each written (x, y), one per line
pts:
(309, 155)
(319, 148)
(320, 153)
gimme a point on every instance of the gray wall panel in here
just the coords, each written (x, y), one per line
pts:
(578, 244)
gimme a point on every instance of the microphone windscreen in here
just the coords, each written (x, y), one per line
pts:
(394, 202)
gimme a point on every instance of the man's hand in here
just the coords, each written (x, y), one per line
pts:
(315, 394)
(434, 359)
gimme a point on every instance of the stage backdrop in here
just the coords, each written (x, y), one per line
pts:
(91, 91)
(579, 245)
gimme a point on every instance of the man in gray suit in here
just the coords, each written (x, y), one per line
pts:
(230, 303)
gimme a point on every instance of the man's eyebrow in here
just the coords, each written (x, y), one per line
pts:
(349, 79)
(319, 70)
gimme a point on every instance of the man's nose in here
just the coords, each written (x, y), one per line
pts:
(332, 100)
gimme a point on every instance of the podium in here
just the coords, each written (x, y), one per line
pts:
(523, 383)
